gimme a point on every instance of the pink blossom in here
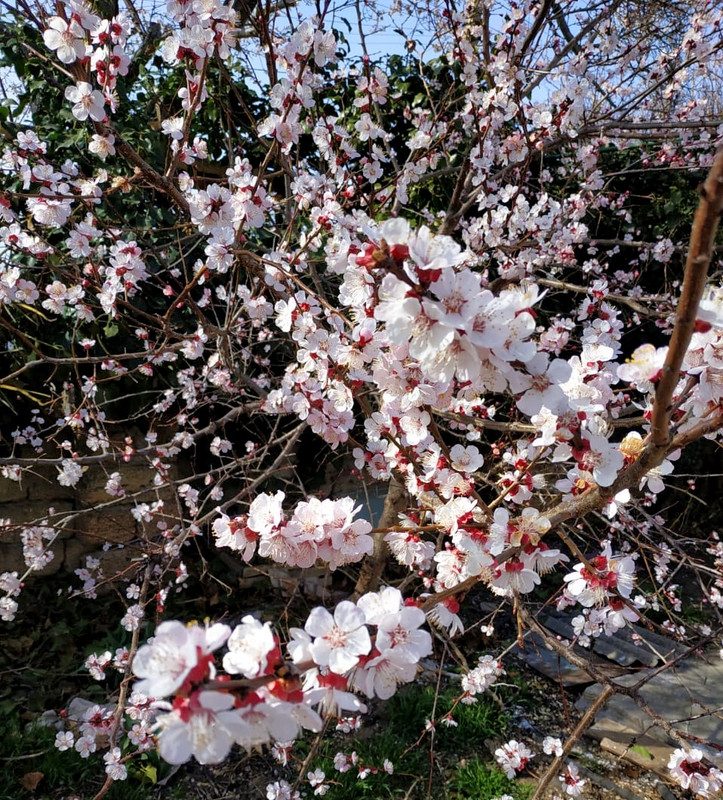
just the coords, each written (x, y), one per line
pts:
(691, 771)
(572, 784)
(486, 673)
(552, 746)
(590, 586)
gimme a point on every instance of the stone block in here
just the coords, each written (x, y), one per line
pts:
(117, 560)
(136, 479)
(687, 695)
(22, 514)
(74, 554)
(113, 562)
(12, 491)
(643, 751)
(43, 486)
(11, 558)
(115, 525)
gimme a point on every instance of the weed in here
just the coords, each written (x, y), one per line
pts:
(28, 750)
(478, 781)
(411, 707)
(421, 763)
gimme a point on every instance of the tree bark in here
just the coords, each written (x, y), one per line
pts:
(370, 577)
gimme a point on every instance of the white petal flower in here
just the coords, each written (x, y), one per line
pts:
(339, 640)
(176, 650)
(88, 102)
(205, 728)
(249, 648)
(66, 38)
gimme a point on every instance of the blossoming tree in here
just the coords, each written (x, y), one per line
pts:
(228, 224)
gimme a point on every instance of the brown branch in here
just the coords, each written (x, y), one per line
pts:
(697, 432)
(373, 565)
(630, 302)
(580, 728)
(153, 177)
(150, 450)
(127, 677)
(705, 225)
(534, 28)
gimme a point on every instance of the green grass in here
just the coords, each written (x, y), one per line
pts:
(407, 712)
(447, 765)
(27, 748)
(479, 781)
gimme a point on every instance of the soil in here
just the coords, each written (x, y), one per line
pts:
(544, 710)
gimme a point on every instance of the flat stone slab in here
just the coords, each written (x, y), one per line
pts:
(689, 695)
(628, 646)
(644, 751)
(548, 663)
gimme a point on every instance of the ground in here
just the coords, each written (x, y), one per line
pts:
(42, 668)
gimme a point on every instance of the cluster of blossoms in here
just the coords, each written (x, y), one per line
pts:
(220, 213)
(204, 28)
(513, 757)
(11, 587)
(389, 331)
(96, 47)
(603, 587)
(97, 663)
(479, 679)
(370, 646)
(87, 730)
(317, 530)
(690, 770)
(114, 269)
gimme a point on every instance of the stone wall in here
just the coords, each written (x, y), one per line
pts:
(85, 516)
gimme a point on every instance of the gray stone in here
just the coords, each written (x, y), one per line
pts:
(689, 696)
(650, 649)
(547, 662)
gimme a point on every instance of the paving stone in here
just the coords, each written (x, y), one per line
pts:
(689, 695)
(651, 649)
(548, 663)
(645, 751)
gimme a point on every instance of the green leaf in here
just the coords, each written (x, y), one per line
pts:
(641, 751)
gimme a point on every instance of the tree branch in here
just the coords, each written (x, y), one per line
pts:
(705, 225)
